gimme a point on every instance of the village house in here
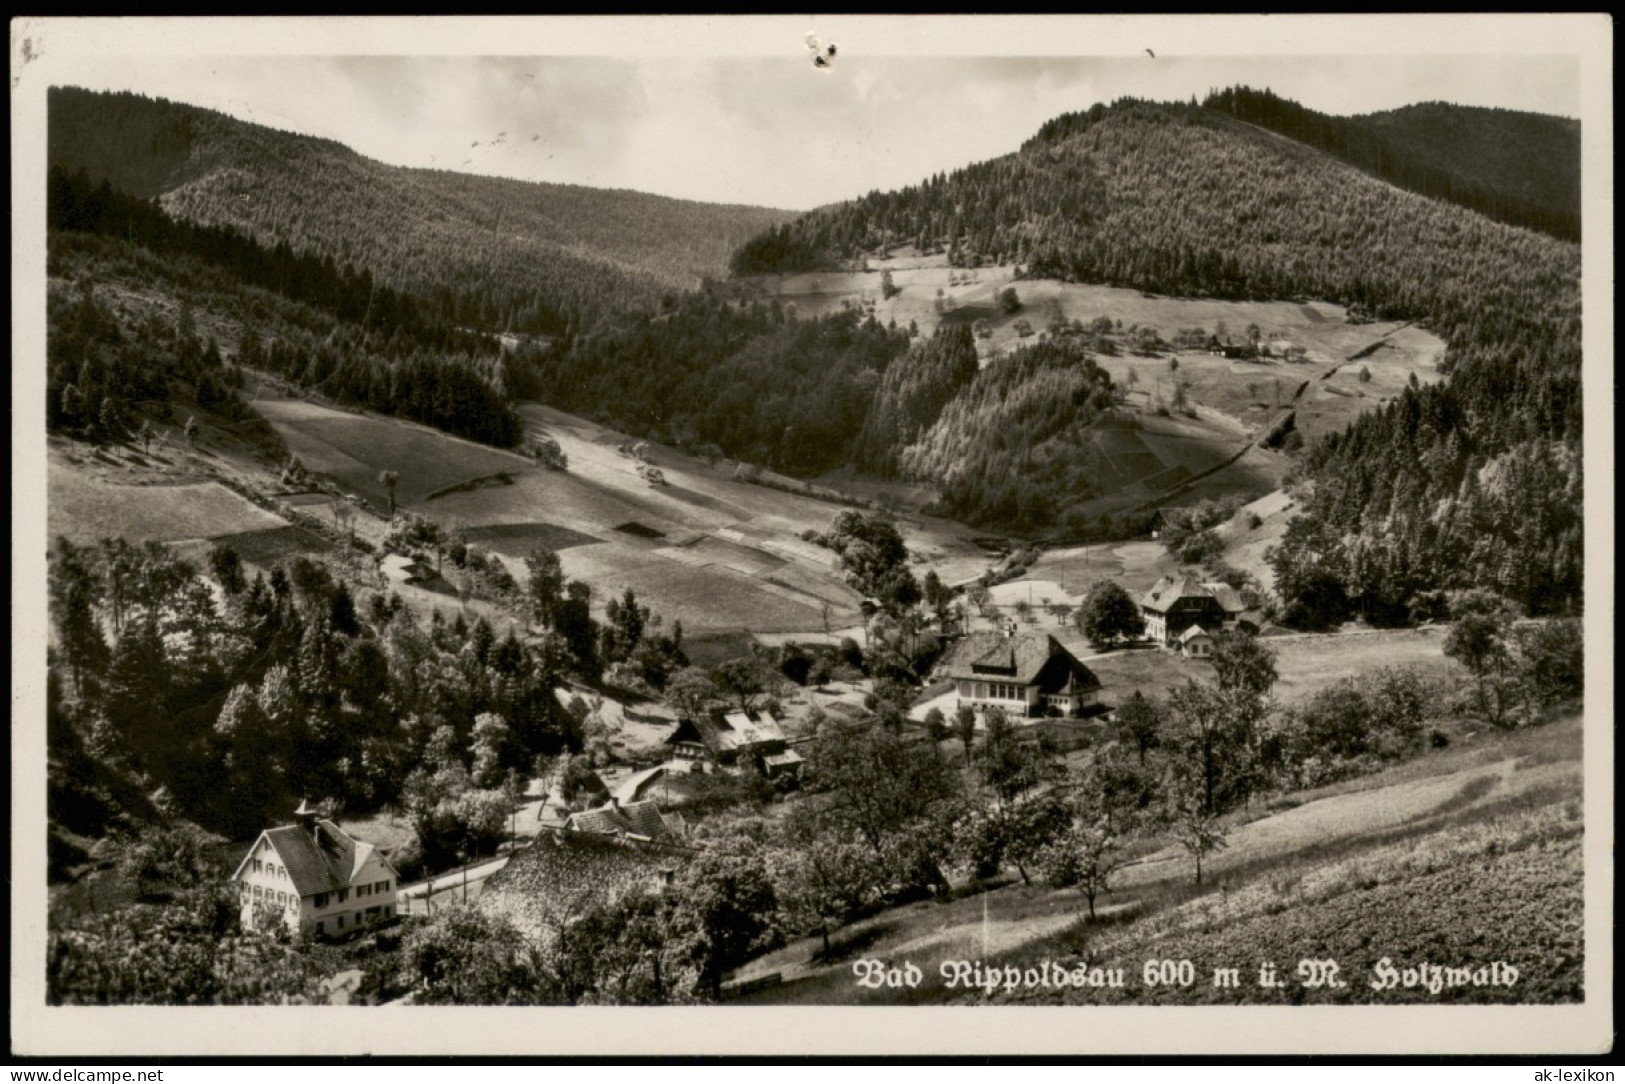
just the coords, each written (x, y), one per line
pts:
(1029, 673)
(1176, 603)
(636, 821)
(1196, 642)
(317, 877)
(732, 738)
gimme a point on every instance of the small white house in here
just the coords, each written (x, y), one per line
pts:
(318, 877)
(1195, 643)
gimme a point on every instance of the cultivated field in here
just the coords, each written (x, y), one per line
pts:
(85, 509)
(278, 545)
(706, 548)
(353, 448)
(1309, 662)
(1157, 448)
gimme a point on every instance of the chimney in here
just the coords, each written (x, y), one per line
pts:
(305, 816)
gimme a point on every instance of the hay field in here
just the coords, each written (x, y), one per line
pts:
(519, 539)
(353, 448)
(1459, 856)
(275, 546)
(1233, 399)
(704, 597)
(694, 550)
(1308, 662)
(85, 509)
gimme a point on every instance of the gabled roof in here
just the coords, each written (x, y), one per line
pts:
(1064, 674)
(755, 728)
(1192, 633)
(1170, 590)
(1227, 596)
(631, 819)
(993, 656)
(323, 860)
(729, 732)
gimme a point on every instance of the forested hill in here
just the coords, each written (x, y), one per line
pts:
(489, 251)
(1520, 168)
(1474, 482)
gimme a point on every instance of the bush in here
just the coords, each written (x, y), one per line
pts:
(795, 664)
(1200, 547)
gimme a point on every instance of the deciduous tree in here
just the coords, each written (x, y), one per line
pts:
(1109, 615)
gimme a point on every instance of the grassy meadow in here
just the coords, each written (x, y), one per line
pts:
(1462, 856)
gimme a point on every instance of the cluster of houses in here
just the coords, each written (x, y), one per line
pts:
(1033, 674)
(322, 881)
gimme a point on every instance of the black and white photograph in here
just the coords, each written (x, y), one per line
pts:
(781, 535)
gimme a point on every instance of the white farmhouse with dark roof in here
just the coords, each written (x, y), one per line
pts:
(1029, 673)
(1177, 603)
(318, 877)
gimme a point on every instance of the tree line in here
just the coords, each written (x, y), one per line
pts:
(753, 382)
(487, 252)
(332, 328)
(1519, 168)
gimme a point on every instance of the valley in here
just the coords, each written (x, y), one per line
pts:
(1322, 370)
(1163, 541)
(725, 555)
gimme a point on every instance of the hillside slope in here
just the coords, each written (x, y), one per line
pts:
(1529, 160)
(1438, 489)
(505, 253)
(1519, 168)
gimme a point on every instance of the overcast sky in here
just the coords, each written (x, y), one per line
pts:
(768, 128)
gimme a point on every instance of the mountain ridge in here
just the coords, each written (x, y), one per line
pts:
(572, 255)
(1473, 483)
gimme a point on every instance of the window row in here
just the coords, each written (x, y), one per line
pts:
(269, 867)
(270, 896)
(997, 690)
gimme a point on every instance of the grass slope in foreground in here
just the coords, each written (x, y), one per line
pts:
(1460, 857)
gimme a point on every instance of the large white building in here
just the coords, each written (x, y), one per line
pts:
(1023, 673)
(317, 877)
